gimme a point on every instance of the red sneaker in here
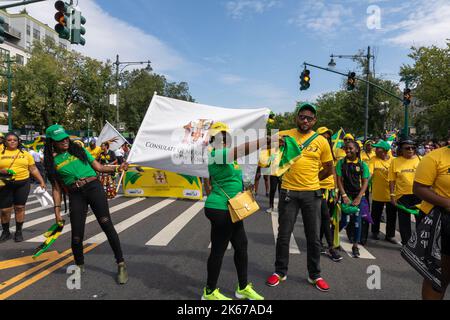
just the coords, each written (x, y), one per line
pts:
(320, 284)
(275, 279)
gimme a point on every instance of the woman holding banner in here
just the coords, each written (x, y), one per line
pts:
(226, 179)
(72, 169)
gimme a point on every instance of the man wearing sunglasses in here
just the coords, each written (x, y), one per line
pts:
(300, 190)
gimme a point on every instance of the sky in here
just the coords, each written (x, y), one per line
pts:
(250, 53)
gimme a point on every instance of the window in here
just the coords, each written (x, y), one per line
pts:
(36, 34)
(4, 54)
(19, 59)
(28, 30)
(3, 107)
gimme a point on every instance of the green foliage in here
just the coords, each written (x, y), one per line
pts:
(430, 80)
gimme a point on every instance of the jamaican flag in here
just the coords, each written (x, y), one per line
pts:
(36, 145)
(52, 234)
(287, 155)
(338, 139)
(408, 210)
(336, 221)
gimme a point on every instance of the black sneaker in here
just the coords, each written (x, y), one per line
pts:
(18, 237)
(336, 257)
(6, 235)
(355, 252)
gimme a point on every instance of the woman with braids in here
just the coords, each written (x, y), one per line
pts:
(352, 179)
(72, 170)
(17, 164)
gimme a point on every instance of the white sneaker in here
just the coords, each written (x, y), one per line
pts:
(270, 210)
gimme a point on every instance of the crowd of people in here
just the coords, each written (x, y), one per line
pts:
(334, 188)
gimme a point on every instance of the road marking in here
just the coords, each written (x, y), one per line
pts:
(166, 235)
(41, 275)
(89, 219)
(122, 226)
(7, 264)
(347, 246)
(29, 272)
(228, 248)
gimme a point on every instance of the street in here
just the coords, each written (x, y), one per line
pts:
(165, 243)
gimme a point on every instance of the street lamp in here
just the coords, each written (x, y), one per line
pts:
(368, 56)
(118, 63)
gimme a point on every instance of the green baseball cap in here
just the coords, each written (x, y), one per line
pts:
(56, 132)
(305, 105)
(383, 145)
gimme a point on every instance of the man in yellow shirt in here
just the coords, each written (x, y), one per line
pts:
(93, 149)
(379, 170)
(432, 185)
(300, 190)
(401, 178)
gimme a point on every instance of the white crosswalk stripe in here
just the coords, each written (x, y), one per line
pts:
(91, 218)
(166, 235)
(124, 225)
(347, 246)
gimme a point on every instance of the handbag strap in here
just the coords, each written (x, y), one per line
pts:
(220, 187)
(14, 160)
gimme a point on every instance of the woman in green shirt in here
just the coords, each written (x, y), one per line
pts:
(72, 170)
(226, 179)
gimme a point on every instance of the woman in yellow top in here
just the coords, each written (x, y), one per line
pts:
(432, 185)
(401, 178)
(367, 153)
(14, 194)
(379, 170)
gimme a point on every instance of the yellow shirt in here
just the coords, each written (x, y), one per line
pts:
(434, 171)
(339, 154)
(21, 164)
(366, 157)
(303, 175)
(264, 157)
(328, 183)
(379, 169)
(402, 172)
(94, 152)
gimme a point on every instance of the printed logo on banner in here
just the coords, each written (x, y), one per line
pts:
(191, 193)
(196, 132)
(135, 191)
(160, 177)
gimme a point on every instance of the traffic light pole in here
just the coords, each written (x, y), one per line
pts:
(9, 77)
(366, 111)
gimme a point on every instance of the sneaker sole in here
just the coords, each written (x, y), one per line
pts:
(320, 289)
(241, 297)
(276, 284)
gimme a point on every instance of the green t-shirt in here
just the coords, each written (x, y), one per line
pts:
(226, 175)
(71, 168)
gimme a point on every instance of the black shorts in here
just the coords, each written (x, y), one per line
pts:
(14, 193)
(445, 234)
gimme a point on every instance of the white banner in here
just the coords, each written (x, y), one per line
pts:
(174, 135)
(111, 135)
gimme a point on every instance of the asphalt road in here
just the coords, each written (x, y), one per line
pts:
(165, 243)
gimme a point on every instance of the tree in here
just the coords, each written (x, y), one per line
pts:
(430, 80)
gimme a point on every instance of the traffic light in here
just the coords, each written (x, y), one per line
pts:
(2, 29)
(304, 80)
(351, 81)
(77, 28)
(63, 17)
(407, 97)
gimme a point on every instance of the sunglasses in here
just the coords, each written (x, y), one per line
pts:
(307, 118)
(409, 148)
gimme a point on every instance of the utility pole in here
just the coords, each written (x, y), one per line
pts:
(366, 111)
(368, 56)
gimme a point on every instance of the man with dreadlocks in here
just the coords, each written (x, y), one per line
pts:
(15, 168)
(72, 170)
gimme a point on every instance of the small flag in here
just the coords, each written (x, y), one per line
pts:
(52, 234)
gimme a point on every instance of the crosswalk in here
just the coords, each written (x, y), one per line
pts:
(38, 219)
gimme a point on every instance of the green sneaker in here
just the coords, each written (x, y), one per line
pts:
(215, 295)
(122, 274)
(248, 293)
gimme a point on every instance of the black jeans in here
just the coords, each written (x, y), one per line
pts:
(223, 230)
(404, 218)
(325, 226)
(391, 215)
(275, 183)
(91, 194)
(290, 203)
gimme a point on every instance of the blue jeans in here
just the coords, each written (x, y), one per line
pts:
(353, 223)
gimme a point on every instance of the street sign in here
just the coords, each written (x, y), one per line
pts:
(113, 99)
